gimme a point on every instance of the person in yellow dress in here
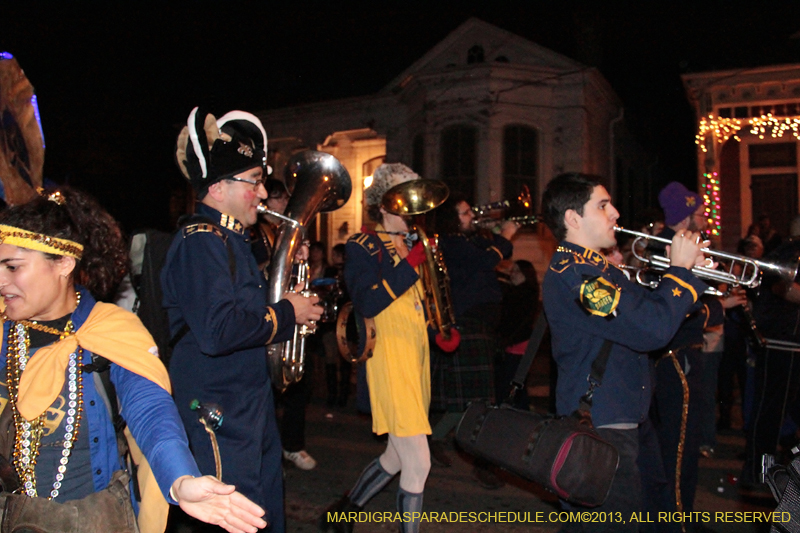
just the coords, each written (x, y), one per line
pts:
(382, 277)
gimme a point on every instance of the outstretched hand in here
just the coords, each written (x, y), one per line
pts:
(214, 502)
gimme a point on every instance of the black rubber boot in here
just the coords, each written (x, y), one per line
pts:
(336, 519)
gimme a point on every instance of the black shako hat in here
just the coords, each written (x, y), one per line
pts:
(210, 149)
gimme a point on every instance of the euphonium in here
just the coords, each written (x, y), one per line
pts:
(436, 282)
(413, 198)
(319, 183)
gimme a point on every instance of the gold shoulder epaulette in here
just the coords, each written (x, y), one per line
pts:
(366, 241)
(204, 227)
(564, 258)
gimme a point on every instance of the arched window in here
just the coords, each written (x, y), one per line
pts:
(458, 153)
(475, 55)
(520, 161)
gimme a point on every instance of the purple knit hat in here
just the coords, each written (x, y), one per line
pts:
(678, 202)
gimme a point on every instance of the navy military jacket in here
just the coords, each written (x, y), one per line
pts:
(222, 359)
(372, 278)
(587, 301)
(470, 264)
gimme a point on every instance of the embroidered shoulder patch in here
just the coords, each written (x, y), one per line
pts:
(599, 296)
(366, 242)
(564, 261)
(204, 227)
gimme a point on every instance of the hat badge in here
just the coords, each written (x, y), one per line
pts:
(245, 150)
(690, 201)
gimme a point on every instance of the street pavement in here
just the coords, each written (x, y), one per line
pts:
(342, 442)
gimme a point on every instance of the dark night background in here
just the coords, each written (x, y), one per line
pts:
(116, 81)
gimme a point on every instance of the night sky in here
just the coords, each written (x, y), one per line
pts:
(116, 81)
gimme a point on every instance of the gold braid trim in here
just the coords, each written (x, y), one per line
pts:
(39, 242)
(682, 439)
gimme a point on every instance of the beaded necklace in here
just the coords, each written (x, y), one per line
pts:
(29, 433)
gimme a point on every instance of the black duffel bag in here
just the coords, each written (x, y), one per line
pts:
(564, 454)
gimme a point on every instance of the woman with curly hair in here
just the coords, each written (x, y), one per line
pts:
(59, 255)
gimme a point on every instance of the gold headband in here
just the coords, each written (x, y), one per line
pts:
(39, 242)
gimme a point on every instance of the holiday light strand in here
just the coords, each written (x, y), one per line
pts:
(712, 202)
(722, 129)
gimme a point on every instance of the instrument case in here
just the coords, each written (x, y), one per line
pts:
(564, 454)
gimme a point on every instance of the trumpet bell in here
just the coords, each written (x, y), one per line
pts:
(415, 197)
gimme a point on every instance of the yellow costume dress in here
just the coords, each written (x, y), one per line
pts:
(387, 288)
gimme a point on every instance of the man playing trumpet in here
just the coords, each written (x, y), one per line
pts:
(588, 302)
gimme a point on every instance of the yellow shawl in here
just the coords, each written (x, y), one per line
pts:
(119, 336)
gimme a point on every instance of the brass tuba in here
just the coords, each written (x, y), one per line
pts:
(319, 183)
(413, 198)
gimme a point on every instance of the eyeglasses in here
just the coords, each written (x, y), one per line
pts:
(254, 183)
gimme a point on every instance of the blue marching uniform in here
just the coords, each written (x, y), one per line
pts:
(587, 301)
(212, 284)
(471, 263)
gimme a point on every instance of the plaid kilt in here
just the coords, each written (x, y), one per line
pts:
(467, 374)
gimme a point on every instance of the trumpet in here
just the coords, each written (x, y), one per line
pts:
(523, 202)
(751, 269)
(488, 222)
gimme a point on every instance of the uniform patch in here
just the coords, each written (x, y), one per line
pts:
(364, 240)
(571, 257)
(599, 296)
(204, 227)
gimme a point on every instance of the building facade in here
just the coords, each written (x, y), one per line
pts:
(747, 146)
(486, 111)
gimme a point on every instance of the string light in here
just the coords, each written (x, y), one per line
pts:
(722, 129)
(712, 203)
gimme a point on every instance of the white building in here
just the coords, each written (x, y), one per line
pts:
(484, 110)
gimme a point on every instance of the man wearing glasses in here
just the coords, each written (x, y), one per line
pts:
(216, 300)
